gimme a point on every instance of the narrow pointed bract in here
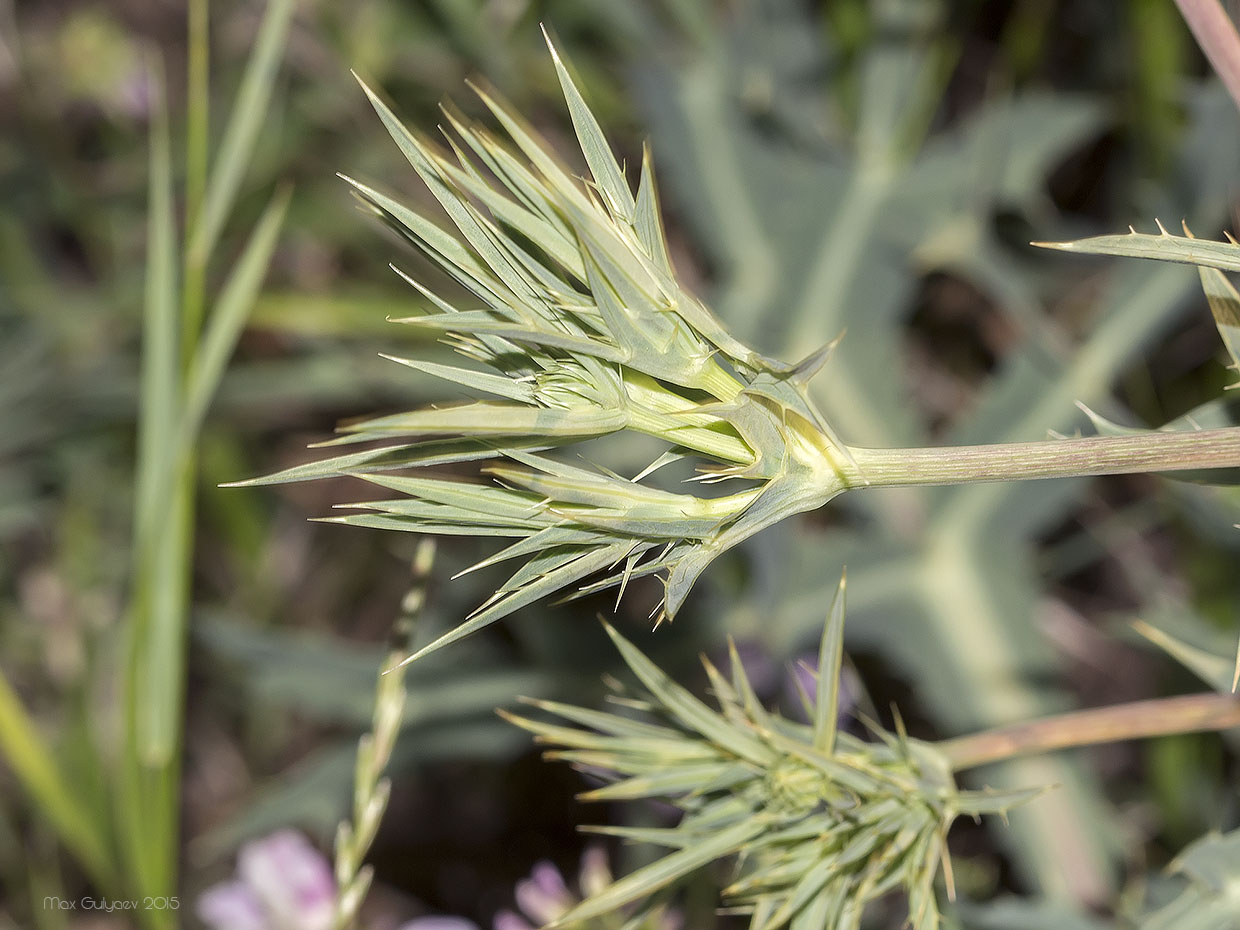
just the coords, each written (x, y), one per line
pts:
(575, 328)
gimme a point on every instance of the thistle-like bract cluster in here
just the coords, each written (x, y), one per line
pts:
(582, 331)
(818, 822)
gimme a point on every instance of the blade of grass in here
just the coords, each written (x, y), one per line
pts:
(164, 532)
(228, 316)
(159, 386)
(248, 115)
(160, 655)
(31, 761)
(162, 668)
(198, 110)
(148, 854)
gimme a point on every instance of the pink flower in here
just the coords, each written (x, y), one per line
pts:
(440, 923)
(545, 897)
(283, 883)
(233, 905)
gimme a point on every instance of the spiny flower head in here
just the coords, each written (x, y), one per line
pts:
(818, 822)
(578, 329)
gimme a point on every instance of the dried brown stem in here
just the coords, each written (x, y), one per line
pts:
(1216, 35)
(1193, 713)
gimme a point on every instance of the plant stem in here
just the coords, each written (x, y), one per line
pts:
(1193, 713)
(1216, 35)
(1100, 455)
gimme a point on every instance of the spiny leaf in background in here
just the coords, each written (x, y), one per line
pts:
(1220, 671)
(1212, 868)
(820, 823)
(1209, 868)
(587, 333)
(1026, 914)
(1211, 259)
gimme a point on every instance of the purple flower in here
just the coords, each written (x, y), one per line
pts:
(545, 896)
(439, 923)
(507, 920)
(282, 883)
(233, 905)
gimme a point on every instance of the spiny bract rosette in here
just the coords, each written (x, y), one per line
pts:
(586, 333)
(818, 822)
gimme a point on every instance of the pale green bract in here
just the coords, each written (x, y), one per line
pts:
(583, 331)
(1211, 259)
(820, 823)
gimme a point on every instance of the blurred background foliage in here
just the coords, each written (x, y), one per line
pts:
(873, 167)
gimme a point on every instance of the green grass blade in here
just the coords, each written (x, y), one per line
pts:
(146, 799)
(229, 314)
(35, 768)
(162, 662)
(160, 387)
(198, 109)
(247, 119)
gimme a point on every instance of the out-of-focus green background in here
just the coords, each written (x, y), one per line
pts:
(868, 167)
